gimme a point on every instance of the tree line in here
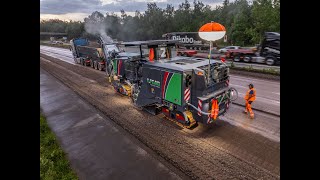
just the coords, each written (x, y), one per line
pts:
(245, 22)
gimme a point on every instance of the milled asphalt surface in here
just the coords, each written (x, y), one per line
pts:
(96, 147)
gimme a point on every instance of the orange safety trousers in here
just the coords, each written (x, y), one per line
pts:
(248, 108)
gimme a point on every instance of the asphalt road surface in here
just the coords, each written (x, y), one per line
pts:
(268, 92)
(235, 147)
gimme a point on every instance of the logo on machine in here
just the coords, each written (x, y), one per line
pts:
(186, 40)
(153, 82)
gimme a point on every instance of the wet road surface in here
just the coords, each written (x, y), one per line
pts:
(96, 147)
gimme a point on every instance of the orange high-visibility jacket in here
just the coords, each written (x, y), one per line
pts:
(253, 97)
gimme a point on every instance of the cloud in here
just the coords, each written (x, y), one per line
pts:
(66, 17)
(89, 6)
(68, 6)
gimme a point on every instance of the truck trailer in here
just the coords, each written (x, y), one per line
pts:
(94, 54)
(268, 51)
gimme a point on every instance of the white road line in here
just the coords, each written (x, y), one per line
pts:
(244, 87)
(58, 57)
(265, 100)
(252, 80)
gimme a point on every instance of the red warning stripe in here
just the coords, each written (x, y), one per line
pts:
(119, 66)
(164, 82)
(199, 107)
(187, 94)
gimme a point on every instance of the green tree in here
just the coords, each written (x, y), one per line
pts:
(266, 16)
(242, 23)
(183, 17)
(74, 29)
(245, 23)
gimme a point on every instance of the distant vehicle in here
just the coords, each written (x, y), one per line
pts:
(185, 52)
(57, 42)
(97, 54)
(268, 52)
(224, 50)
(93, 54)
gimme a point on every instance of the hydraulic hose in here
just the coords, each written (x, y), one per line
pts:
(234, 89)
(204, 113)
(225, 94)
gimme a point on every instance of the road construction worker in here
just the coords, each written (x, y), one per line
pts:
(249, 98)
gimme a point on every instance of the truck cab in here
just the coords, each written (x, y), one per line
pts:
(270, 48)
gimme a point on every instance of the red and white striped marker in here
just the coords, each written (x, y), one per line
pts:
(199, 107)
(209, 119)
(187, 94)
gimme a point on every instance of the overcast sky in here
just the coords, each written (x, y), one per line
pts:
(79, 9)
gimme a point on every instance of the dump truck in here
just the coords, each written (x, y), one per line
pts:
(93, 54)
(87, 55)
(184, 89)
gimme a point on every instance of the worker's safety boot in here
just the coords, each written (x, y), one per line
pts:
(251, 115)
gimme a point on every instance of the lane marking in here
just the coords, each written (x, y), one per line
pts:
(70, 61)
(253, 79)
(266, 100)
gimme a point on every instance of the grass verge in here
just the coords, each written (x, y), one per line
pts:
(53, 161)
(251, 69)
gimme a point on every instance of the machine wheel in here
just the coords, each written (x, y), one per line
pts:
(81, 61)
(247, 59)
(99, 67)
(91, 63)
(270, 61)
(236, 59)
(95, 65)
